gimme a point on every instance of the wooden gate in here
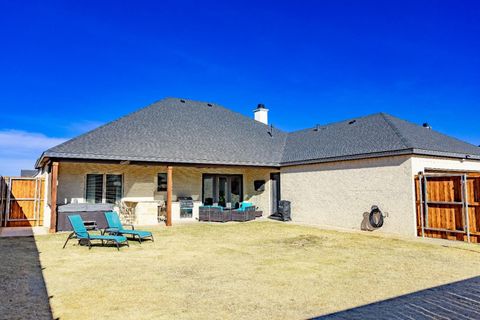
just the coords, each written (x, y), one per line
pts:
(22, 201)
(448, 206)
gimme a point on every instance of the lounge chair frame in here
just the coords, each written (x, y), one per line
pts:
(118, 231)
(89, 239)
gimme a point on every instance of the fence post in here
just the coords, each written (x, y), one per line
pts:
(2, 201)
(420, 186)
(53, 198)
(465, 204)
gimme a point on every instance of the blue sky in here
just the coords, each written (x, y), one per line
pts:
(69, 66)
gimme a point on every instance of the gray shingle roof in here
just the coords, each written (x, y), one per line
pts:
(174, 131)
(185, 131)
(377, 134)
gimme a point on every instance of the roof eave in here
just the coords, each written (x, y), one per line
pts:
(67, 156)
(348, 157)
(40, 161)
(93, 158)
(432, 153)
(444, 154)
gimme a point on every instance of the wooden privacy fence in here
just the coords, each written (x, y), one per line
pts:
(448, 206)
(21, 201)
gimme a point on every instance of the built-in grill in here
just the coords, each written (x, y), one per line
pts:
(186, 207)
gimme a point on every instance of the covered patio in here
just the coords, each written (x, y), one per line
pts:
(153, 193)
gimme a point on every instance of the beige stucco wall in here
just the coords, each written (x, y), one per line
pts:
(332, 194)
(340, 193)
(140, 184)
(138, 181)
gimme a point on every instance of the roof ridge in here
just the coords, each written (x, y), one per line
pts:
(337, 122)
(229, 110)
(407, 143)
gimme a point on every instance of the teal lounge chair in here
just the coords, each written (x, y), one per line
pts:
(115, 226)
(81, 233)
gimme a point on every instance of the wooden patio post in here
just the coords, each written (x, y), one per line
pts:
(53, 198)
(169, 195)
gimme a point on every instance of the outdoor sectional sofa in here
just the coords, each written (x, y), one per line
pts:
(245, 212)
(214, 214)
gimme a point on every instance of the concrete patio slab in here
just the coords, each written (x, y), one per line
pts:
(22, 231)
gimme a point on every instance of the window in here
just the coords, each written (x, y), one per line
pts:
(113, 190)
(162, 182)
(94, 186)
(208, 190)
(224, 190)
(100, 188)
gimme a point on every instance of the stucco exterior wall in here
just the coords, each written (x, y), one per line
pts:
(139, 182)
(140, 185)
(332, 194)
(340, 193)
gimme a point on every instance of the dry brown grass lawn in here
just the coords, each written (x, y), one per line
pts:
(258, 270)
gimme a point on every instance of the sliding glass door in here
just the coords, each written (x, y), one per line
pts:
(223, 190)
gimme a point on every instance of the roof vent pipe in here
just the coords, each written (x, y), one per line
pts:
(427, 126)
(261, 114)
(270, 130)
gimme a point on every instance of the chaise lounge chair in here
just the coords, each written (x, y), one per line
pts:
(81, 233)
(115, 227)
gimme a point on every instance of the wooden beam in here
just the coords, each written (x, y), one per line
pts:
(169, 195)
(53, 197)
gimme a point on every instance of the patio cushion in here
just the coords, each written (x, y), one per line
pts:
(246, 204)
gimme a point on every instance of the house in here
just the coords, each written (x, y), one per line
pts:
(332, 174)
(28, 173)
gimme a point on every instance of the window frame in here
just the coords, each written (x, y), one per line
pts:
(158, 181)
(104, 185)
(104, 200)
(215, 190)
(86, 186)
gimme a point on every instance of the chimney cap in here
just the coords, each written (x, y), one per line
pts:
(261, 106)
(426, 125)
